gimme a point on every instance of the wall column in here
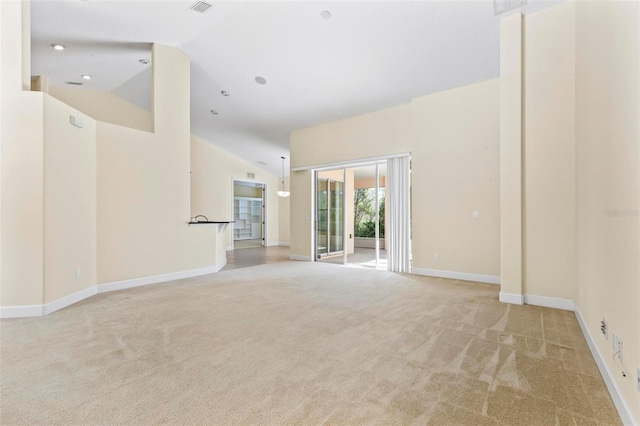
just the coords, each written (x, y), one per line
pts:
(511, 160)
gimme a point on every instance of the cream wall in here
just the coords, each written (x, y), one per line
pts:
(456, 170)
(69, 201)
(549, 153)
(369, 135)
(437, 143)
(212, 173)
(22, 158)
(212, 169)
(511, 232)
(105, 107)
(143, 192)
(301, 245)
(608, 178)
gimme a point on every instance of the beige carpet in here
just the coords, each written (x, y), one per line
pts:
(301, 343)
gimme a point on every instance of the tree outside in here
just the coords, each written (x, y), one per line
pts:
(364, 201)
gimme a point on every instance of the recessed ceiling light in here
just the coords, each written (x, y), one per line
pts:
(214, 112)
(143, 61)
(225, 93)
(58, 46)
(325, 14)
(86, 76)
(261, 80)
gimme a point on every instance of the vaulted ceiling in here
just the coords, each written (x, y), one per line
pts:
(322, 61)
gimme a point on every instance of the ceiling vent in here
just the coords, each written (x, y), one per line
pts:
(74, 83)
(502, 6)
(200, 6)
(251, 175)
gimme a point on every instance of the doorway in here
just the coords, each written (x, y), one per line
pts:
(249, 202)
(397, 216)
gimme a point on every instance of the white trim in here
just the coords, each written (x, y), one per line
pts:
(515, 299)
(155, 279)
(271, 244)
(464, 276)
(229, 248)
(549, 302)
(69, 300)
(612, 386)
(301, 258)
(283, 244)
(24, 311)
(357, 162)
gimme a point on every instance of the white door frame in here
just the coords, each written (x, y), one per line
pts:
(264, 209)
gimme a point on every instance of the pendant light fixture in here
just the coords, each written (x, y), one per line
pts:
(283, 192)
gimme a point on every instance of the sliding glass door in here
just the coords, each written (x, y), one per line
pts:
(329, 217)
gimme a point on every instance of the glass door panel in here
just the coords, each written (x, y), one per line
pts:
(336, 216)
(322, 217)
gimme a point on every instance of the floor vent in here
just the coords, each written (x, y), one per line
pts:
(200, 6)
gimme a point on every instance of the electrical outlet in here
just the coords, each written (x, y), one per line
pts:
(78, 274)
(436, 256)
(620, 349)
(604, 327)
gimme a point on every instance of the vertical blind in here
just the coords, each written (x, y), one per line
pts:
(398, 233)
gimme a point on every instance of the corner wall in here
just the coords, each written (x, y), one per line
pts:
(22, 158)
(105, 107)
(143, 194)
(69, 201)
(549, 153)
(608, 182)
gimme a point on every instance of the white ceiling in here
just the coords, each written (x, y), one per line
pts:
(369, 55)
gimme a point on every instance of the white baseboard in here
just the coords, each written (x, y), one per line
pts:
(301, 258)
(515, 299)
(532, 299)
(612, 386)
(229, 248)
(155, 279)
(25, 311)
(40, 310)
(283, 244)
(65, 301)
(464, 276)
(549, 302)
